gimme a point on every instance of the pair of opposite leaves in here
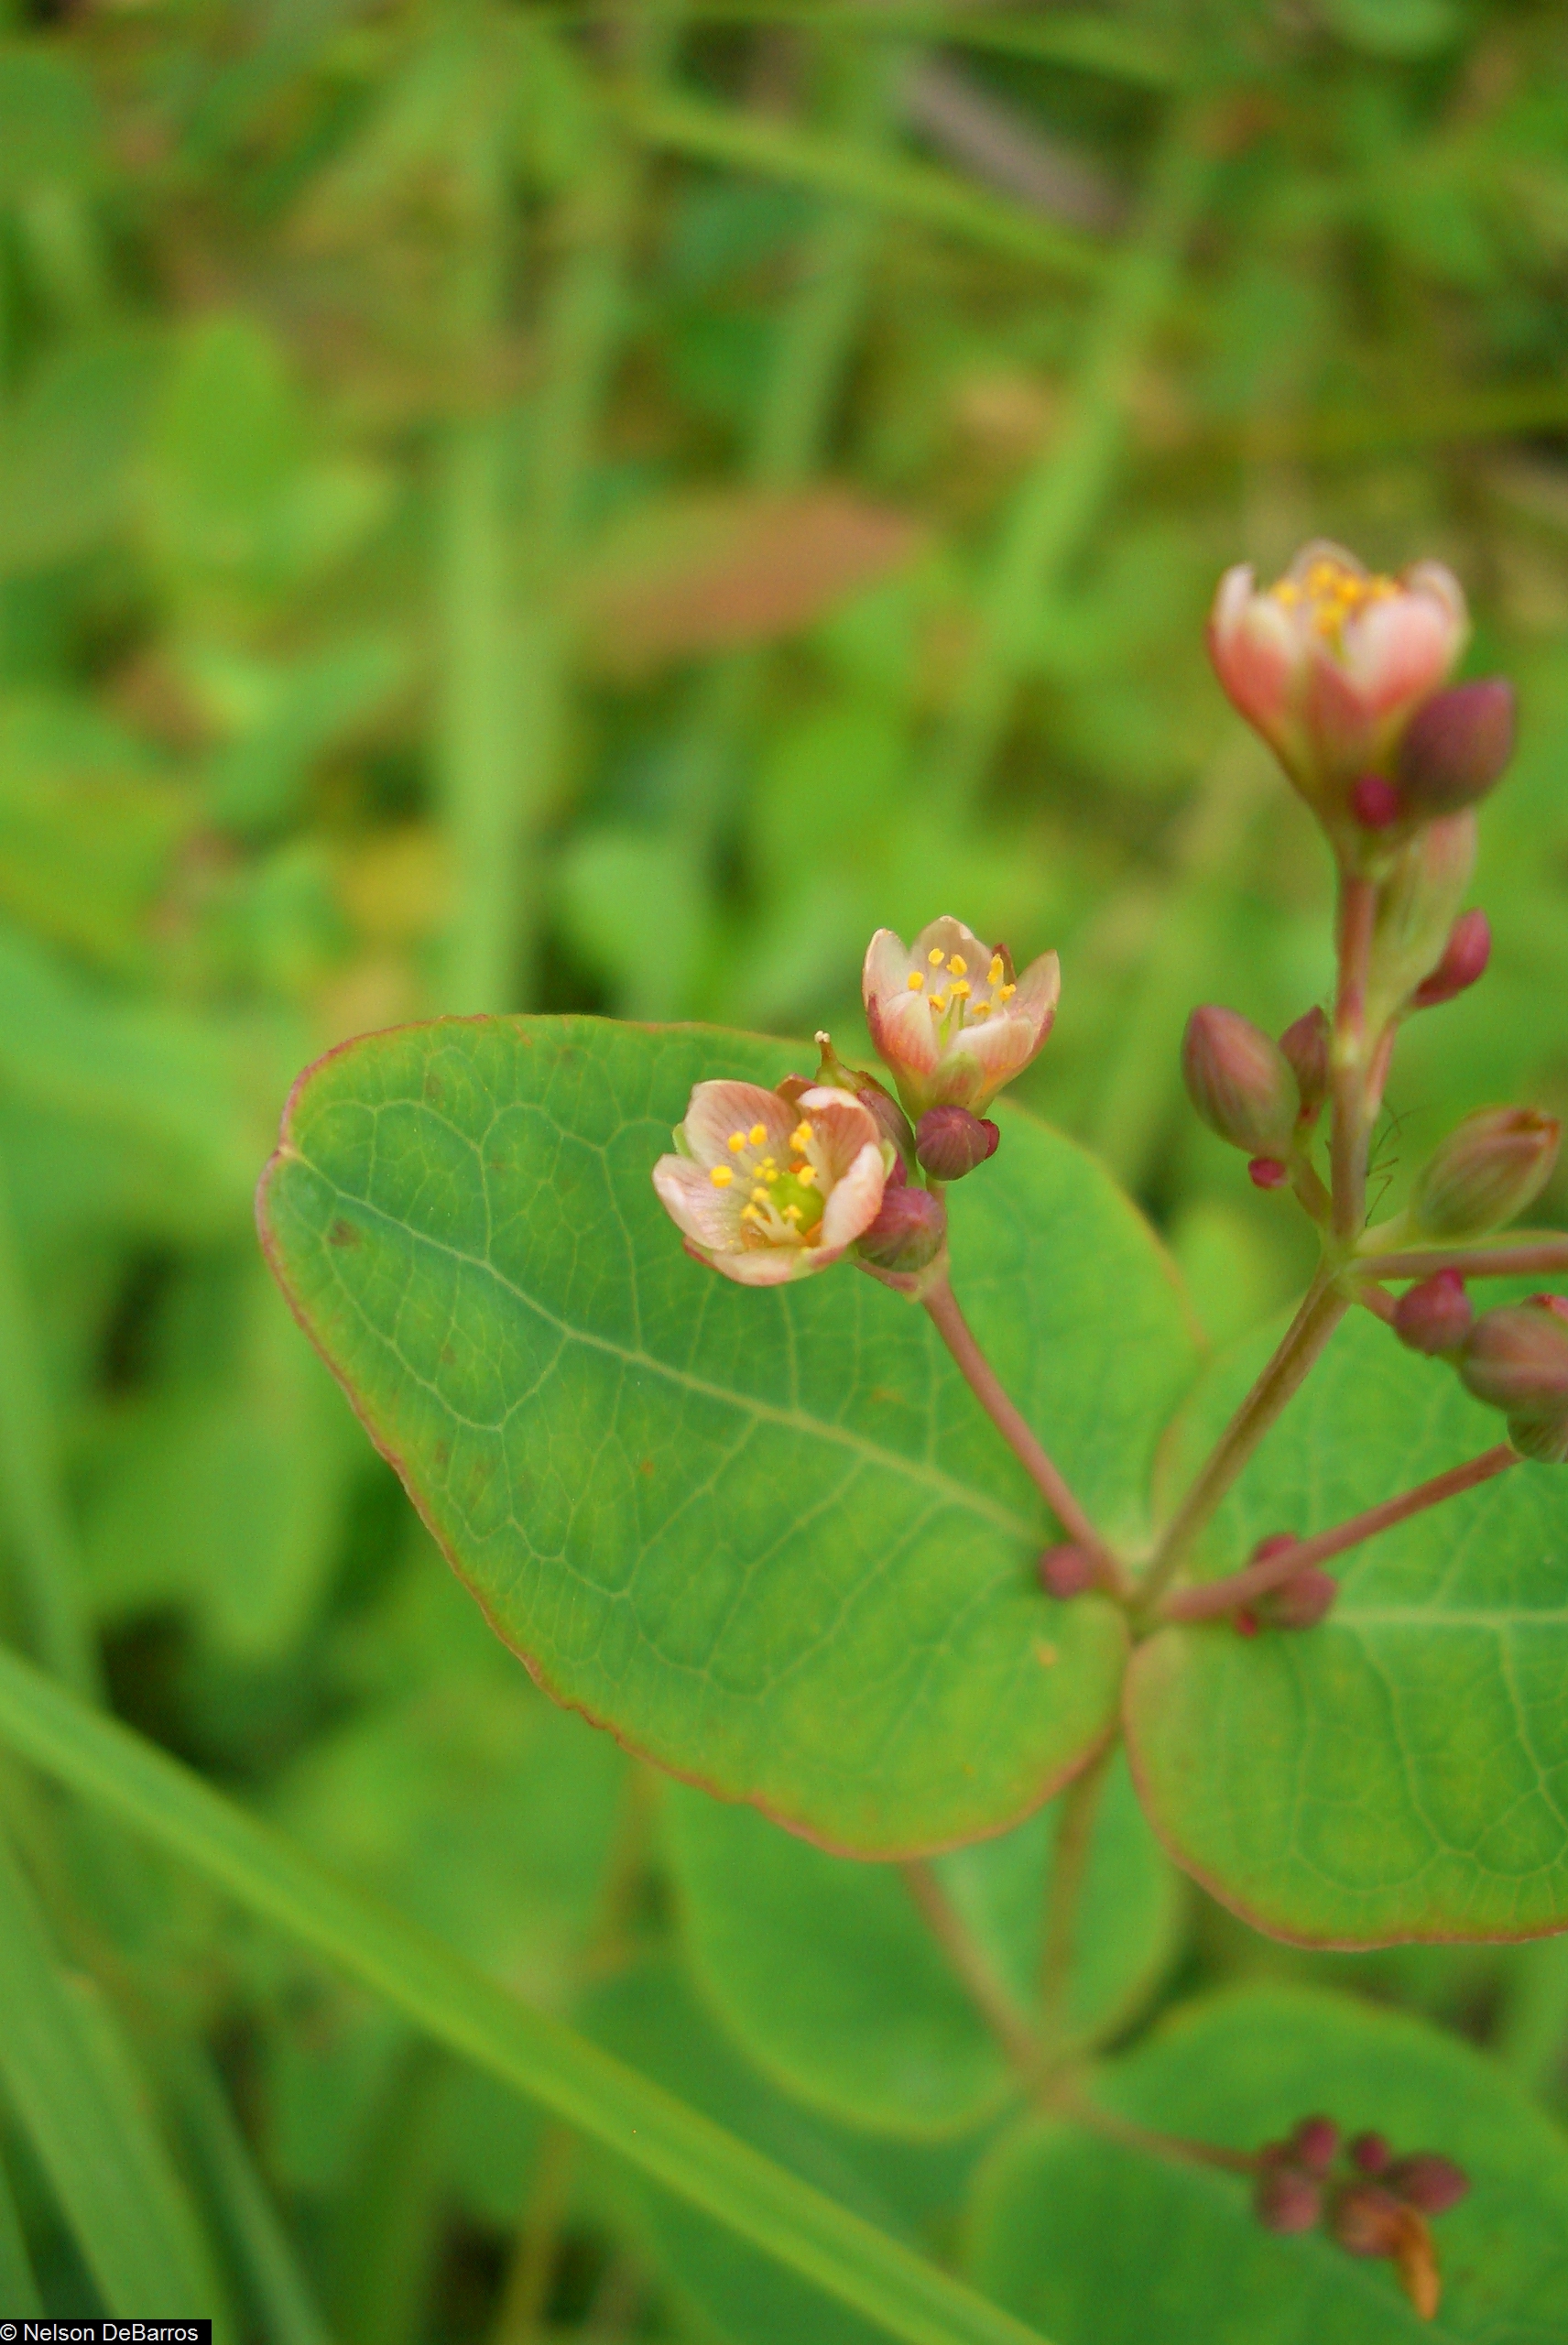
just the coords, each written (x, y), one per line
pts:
(769, 1538)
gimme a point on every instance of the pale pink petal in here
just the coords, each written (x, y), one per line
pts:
(903, 1032)
(717, 1109)
(1323, 550)
(1039, 991)
(710, 1216)
(841, 1129)
(856, 1199)
(775, 1265)
(1004, 1045)
(948, 936)
(1256, 658)
(1434, 578)
(1399, 652)
(889, 966)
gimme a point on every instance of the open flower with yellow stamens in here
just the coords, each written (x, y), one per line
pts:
(765, 1188)
(949, 1019)
(1331, 662)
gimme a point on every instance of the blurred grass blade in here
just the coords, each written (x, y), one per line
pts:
(260, 2245)
(70, 2085)
(19, 2289)
(474, 2017)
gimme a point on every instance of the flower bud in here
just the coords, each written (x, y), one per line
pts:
(1464, 959)
(1286, 2199)
(1239, 1081)
(1376, 804)
(1313, 2144)
(1436, 1316)
(1516, 1359)
(1544, 1440)
(1300, 1601)
(1429, 2182)
(873, 1097)
(1370, 2151)
(1305, 1044)
(908, 1233)
(1267, 1173)
(1488, 1169)
(1456, 745)
(1417, 908)
(950, 1142)
(1367, 2219)
(1065, 1572)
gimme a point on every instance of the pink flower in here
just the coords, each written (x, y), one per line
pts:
(766, 1189)
(948, 1017)
(1330, 663)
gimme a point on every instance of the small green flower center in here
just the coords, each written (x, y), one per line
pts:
(783, 1201)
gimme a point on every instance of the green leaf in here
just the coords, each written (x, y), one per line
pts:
(458, 2006)
(768, 1537)
(1401, 1770)
(70, 2083)
(18, 2289)
(825, 1972)
(1103, 2243)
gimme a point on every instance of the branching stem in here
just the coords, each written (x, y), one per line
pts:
(1221, 1595)
(983, 1382)
(974, 1968)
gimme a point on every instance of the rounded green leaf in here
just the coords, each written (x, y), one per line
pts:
(1401, 1770)
(1107, 2243)
(825, 1970)
(767, 1537)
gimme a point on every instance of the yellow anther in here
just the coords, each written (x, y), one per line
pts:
(806, 1174)
(1288, 592)
(914, 981)
(759, 1196)
(801, 1135)
(979, 1009)
(934, 956)
(737, 1141)
(961, 990)
(749, 1213)
(958, 965)
(758, 1134)
(1006, 993)
(792, 1213)
(995, 973)
(939, 1002)
(721, 1176)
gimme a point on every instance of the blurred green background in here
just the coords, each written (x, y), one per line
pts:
(535, 506)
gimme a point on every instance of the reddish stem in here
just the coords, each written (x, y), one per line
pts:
(1357, 917)
(1221, 1595)
(1534, 1258)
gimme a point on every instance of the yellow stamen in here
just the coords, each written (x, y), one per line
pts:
(1006, 993)
(961, 990)
(792, 1213)
(749, 1213)
(721, 1176)
(995, 973)
(806, 1174)
(770, 1172)
(979, 1009)
(759, 1196)
(737, 1141)
(758, 1134)
(915, 981)
(958, 965)
(934, 956)
(939, 1002)
(801, 1135)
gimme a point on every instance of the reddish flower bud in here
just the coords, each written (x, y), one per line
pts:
(1542, 1439)
(1065, 1572)
(1370, 2151)
(1367, 2219)
(1429, 2182)
(1435, 1315)
(1239, 1081)
(1464, 959)
(1305, 1045)
(1314, 2143)
(950, 1142)
(1286, 2199)
(908, 1233)
(1300, 1601)
(1375, 803)
(1267, 1173)
(1488, 1169)
(1456, 745)
(1516, 1359)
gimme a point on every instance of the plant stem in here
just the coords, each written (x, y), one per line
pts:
(1349, 1070)
(1221, 1595)
(1531, 1258)
(973, 1968)
(1068, 1867)
(983, 1382)
(1112, 2128)
(1322, 1307)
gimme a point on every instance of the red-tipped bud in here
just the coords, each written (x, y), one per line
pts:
(1370, 2153)
(1464, 959)
(950, 1142)
(1065, 1572)
(1305, 1044)
(1436, 1316)
(1239, 1081)
(1286, 2199)
(1267, 1173)
(1367, 2219)
(1429, 2182)
(1314, 2143)
(908, 1233)
(1375, 803)
(1488, 1169)
(1516, 1359)
(1300, 1601)
(1456, 745)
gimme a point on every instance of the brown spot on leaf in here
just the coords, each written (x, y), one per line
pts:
(645, 1466)
(442, 1453)
(344, 1233)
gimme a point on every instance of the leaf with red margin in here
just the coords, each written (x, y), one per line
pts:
(767, 1537)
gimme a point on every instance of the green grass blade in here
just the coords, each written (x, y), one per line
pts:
(473, 2016)
(261, 2247)
(19, 2289)
(70, 2085)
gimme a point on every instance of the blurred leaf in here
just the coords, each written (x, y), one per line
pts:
(68, 446)
(48, 125)
(709, 572)
(567, 1394)
(283, 717)
(18, 2289)
(1105, 2243)
(1395, 27)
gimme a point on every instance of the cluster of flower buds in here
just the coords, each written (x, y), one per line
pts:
(1368, 2201)
(1260, 1094)
(766, 1186)
(1516, 1359)
(1344, 672)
